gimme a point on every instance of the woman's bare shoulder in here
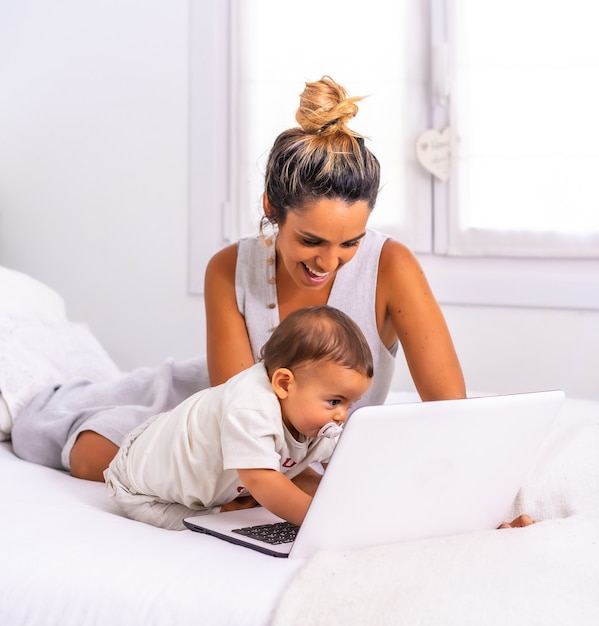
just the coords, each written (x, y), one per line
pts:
(222, 263)
(225, 256)
(398, 262)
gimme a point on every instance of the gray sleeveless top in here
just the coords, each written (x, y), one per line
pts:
(353, 292)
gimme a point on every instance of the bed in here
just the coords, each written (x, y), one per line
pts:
(70, 558)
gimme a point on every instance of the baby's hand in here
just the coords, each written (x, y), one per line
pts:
(519, 522)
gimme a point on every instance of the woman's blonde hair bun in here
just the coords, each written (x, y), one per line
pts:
(325, 108)
(321, 157)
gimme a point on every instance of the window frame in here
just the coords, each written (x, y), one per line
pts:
(564, 283)
(211, 221)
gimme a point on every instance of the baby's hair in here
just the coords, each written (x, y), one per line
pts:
(317, 334)
(322, 158)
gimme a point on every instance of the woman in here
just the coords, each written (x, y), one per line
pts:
(321, 185)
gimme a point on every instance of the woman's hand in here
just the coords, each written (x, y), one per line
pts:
(519, 522)
(243, 502)
(308, 481)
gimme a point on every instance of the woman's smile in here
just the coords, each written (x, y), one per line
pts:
(314, 276)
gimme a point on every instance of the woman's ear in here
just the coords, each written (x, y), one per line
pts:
(268, 212)
(281, 381)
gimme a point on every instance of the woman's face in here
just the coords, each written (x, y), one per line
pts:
(315, 242)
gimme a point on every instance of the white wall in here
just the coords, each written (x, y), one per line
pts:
(94, 126)
(93, 166)
(511, 349)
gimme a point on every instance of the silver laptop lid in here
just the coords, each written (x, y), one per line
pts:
(410, 471)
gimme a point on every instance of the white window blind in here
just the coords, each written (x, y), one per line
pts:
(373, 50)
(523, 108)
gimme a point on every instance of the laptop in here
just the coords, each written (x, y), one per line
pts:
(410, 471)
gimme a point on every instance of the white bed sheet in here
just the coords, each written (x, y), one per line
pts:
(69, 558)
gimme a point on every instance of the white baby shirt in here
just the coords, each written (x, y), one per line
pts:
(191, 454)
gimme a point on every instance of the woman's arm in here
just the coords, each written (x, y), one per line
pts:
(228, 345)
(308, 480)
(275, 492)
(406, 308)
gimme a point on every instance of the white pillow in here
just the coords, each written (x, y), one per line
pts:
(35, 355)
(24, 297)
(5, 420)
(39, 347)
(564, 479)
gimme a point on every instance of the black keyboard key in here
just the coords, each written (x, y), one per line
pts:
(274, 534)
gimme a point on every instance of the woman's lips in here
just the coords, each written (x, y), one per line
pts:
(314, 276)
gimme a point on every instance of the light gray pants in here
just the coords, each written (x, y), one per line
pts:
(45, 430)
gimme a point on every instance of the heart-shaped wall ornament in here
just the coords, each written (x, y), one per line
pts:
(433, 151)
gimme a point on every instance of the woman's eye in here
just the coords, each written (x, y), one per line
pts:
(351, 244)
(310, 242)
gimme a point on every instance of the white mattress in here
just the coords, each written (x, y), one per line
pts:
(69, 558)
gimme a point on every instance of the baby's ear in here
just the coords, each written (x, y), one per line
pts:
(280, 381)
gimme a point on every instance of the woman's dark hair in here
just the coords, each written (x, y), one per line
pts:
(315, 334)
(322, 158)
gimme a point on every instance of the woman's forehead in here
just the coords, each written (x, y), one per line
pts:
(331, 219)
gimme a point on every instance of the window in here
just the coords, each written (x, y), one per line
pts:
(515, 82)
(522, 105)
(283, 45)
(422, 64)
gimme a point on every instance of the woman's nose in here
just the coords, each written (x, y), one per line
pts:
(328, 261)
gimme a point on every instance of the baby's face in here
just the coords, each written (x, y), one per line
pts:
(319, 394)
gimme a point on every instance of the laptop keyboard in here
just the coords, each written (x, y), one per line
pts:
(274, 534)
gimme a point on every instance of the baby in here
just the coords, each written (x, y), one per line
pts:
(252, 435)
